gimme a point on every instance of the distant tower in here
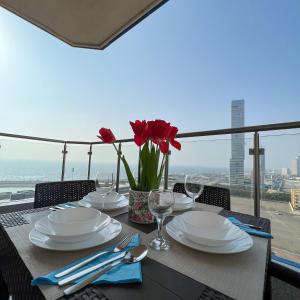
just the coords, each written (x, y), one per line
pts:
(237, 143)
(295, 169)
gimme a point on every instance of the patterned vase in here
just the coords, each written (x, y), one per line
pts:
(138, 210)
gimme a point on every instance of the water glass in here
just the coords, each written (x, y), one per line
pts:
(161, 203)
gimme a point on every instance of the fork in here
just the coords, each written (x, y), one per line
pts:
(118, 248)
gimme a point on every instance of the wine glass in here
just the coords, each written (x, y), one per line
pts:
(161, 204)
(104, 186)
(193, 186)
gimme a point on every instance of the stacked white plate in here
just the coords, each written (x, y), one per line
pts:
(74, 229)
(208, 232)
(104, 202)
(182, 202)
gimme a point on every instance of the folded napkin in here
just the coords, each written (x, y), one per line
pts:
(250, 230)
(125, 273)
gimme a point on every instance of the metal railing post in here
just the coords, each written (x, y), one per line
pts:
(166, 173)
(64, 152)
(90, 160)
(118, 167)
(256, 174)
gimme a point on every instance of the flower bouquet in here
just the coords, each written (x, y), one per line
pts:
(153, 139)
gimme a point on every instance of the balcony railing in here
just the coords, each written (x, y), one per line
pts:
(256, 151)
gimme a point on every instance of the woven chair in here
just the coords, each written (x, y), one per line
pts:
(53, 193)
(211, 195)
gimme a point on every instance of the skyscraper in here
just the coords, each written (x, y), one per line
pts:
(237, 143)
(295, 169)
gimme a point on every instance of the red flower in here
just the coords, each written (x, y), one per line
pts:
(106, 135)
(138, 127)
(164, 147)
(141, 132)
(175, 144)
(172, 132)
(158, 130)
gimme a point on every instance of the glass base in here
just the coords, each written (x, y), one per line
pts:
(160, 244)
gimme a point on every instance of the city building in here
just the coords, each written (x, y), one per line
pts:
(295, 169)
(285, 172)
(237, 143)
(295, 199)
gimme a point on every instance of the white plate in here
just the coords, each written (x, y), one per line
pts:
(182, 198)
(241, 244)
(44, 226)
(98, 238)
(106, 206)
(182, 202)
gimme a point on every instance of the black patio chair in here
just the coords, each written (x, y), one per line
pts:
(53, 193)
(211, 195)
(285, 270)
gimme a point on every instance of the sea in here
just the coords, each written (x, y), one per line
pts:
(18, 175)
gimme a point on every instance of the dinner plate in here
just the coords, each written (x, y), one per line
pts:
(243, 243)
(98, 238)
(44, 226)
(106, 206)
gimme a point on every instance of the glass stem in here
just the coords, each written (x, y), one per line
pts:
(160, 222)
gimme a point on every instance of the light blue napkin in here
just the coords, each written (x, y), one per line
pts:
(249, 230)
(125, 273)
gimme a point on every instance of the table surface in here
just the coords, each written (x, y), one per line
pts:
(180, 273)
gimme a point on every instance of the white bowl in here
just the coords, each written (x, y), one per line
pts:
(72, 221)
(43, 226)
(207, 228)
(105, 198)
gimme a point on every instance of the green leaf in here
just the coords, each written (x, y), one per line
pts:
(162, 166)
(129, 173)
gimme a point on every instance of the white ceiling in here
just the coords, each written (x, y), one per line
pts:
(83, 23)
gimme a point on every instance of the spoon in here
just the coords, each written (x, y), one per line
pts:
(132, 256)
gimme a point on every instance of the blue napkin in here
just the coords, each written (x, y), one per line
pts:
(250, 230)
(125, 273)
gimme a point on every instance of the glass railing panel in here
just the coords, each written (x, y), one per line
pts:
(76, 167)
(104, 162)
(24, 163)
(211, 158)
(280, 193)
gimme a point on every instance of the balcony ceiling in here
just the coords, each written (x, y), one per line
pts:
(83, 23)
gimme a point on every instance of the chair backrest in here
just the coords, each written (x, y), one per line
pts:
(211, 195)
(53, 193)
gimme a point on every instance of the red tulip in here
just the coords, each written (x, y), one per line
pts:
(106, 135)
(164, 147)
(172, 132)
(158, 130)
(141, 132)
(138, 127)
(175, 144)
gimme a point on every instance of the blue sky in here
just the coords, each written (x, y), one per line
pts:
(184, 63)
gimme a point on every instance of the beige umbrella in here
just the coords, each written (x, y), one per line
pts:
(84, 23)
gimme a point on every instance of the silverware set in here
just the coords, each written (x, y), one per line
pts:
(131, 256)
